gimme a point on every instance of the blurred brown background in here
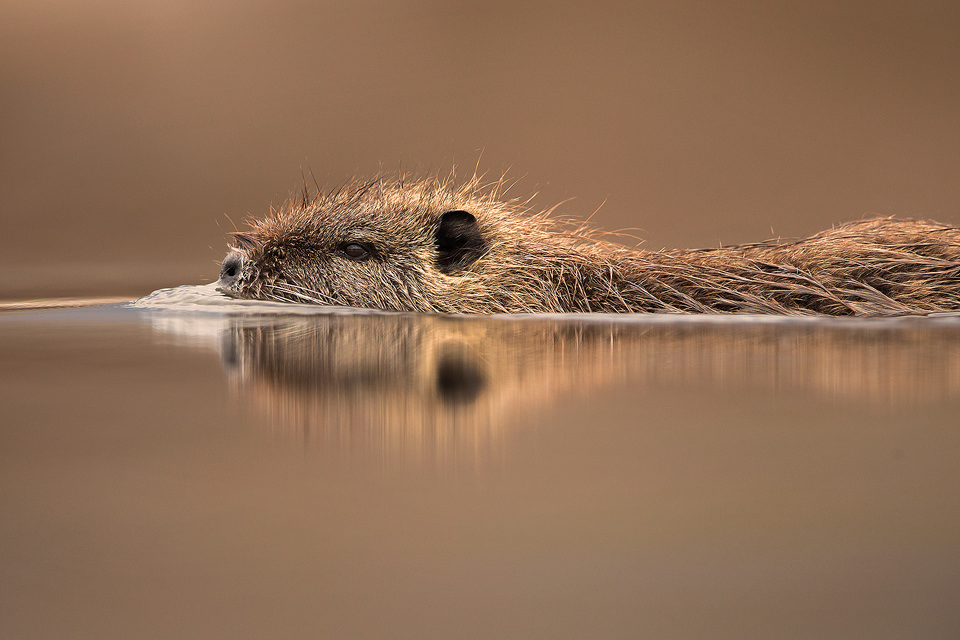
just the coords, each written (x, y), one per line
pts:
(135, 134)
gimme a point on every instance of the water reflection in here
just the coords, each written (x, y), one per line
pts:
(409, 382)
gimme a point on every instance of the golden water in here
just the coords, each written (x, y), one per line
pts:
(193, 468)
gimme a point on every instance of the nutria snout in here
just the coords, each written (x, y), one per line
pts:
(230, 272)
(430, 246)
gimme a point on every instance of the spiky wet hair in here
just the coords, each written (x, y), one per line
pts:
(431, 245)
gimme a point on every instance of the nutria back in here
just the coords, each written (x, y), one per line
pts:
(432, 246)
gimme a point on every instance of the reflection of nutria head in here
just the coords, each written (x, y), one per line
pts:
(433, 247)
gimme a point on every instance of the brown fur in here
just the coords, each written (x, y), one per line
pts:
(499, 257)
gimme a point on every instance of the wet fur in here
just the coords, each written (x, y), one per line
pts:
(444, 248)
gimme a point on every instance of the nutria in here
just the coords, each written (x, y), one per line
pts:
(431, 246)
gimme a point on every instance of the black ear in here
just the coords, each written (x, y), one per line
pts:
(459, 242)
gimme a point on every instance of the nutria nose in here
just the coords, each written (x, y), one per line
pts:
(230, 273)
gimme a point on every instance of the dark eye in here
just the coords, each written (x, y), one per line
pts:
(356, 250)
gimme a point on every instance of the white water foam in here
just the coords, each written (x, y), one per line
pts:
(206, 298)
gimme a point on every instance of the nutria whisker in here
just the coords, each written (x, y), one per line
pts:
(277, 298)
(315, 299)
(431, 246)
(293, 296)
(314, 294)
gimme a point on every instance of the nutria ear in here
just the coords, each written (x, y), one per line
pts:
(459, 241)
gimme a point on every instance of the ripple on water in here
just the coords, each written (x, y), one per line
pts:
(206, 298)
(199, 298)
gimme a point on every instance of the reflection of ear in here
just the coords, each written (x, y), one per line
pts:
(459, 242)
(459, 379)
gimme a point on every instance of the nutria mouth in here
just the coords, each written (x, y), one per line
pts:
(431, 246)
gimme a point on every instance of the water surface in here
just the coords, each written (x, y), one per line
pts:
(196, 467)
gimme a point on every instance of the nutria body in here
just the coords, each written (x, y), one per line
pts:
(428, 246)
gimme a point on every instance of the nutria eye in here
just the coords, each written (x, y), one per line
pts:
(356, 250)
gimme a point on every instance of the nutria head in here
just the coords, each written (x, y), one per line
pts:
(420, 246)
